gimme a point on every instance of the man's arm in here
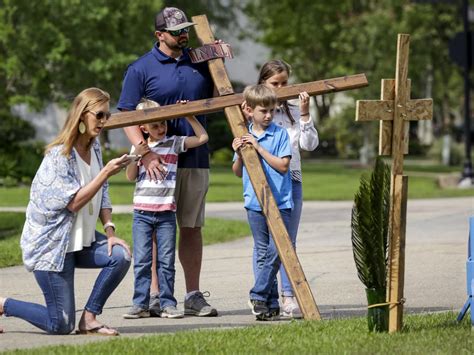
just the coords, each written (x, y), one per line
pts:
(151, 161)
(132, 92)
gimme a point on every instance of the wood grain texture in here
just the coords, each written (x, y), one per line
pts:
(396, 271)
(214, 104)
(385, 129)
(400, 104)
(395, 284)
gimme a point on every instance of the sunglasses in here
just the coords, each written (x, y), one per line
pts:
(101, 115)
(178, 32)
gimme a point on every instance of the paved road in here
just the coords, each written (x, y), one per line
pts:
(435, 272)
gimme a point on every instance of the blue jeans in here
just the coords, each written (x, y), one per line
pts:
(144, 224)
(267, 261)
(297, 190)
(58, 317)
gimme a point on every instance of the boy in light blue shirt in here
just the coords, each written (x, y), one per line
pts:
(272, 143)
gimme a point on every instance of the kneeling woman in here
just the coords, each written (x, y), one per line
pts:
(67, 195)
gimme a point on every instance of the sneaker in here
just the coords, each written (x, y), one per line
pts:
(196, 305)
(290, 308)
(258, 307)
(171, 312)
(154, 307)
(136, 312)
(273, 314)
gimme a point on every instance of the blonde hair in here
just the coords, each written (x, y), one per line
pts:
(260, 95)
(82, 103)
(144, 104)
(147, 103)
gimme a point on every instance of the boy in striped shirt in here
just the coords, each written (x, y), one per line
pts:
(155, 212)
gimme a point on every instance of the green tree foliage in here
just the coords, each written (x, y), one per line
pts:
(221, 14)
(323, 39)
(51, 50)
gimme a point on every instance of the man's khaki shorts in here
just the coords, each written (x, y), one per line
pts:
(190, 194)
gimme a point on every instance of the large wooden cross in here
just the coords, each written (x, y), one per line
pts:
(395, 110)
(231, 102)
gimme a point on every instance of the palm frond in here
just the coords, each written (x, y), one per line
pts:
(369, 223)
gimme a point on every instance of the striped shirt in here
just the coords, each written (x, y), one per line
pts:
(157, 196)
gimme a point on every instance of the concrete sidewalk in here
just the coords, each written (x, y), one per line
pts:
(436, 252)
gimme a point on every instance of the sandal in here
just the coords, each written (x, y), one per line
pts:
(96, 331)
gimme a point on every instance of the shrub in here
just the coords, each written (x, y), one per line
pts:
(29, 159)
(222, 156)
(22, 164)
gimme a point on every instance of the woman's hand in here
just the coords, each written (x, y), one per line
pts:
(113, 240)
(115, 165)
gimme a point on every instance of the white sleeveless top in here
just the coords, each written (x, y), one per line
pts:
(83, 229)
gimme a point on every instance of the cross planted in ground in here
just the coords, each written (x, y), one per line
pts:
(230, 103)
(395, 110)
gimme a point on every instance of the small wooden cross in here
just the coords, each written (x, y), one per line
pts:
(395, 110)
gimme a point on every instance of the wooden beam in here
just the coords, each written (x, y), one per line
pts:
(399, 185)
(216, 66)
(259, 182)
(396, 271)
(168, 112)
(400, 104)
(372, 110)
(385, 127)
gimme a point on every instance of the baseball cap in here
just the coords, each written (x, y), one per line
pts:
(171, 19)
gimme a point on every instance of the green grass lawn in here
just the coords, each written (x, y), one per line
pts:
(423, 334)
(323, 181)
(11, 225)
(215, 231)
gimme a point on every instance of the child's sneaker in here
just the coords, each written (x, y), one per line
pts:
(290, 308)
(136, 312)
(258, 307)
(272, 315)
(154, 307)
(171, 312)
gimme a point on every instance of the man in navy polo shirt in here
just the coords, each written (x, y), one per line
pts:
(166, 75)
